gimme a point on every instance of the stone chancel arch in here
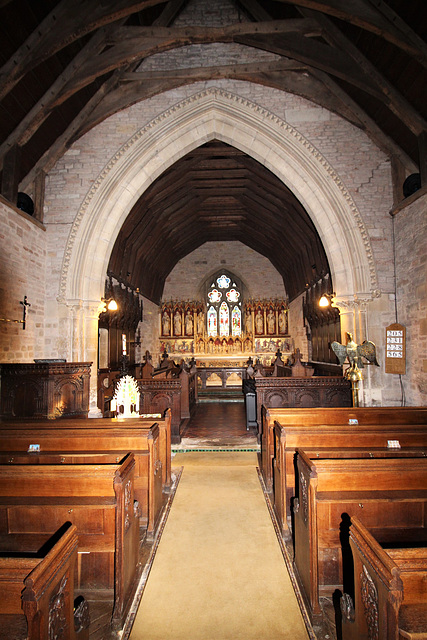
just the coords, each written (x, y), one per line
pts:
(216, 114)
(205, 116)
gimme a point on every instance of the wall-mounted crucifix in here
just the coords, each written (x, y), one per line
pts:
(25, 304)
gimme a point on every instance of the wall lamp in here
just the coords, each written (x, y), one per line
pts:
(110, 304)
(326, 299)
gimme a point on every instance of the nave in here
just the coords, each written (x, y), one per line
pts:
(219, 570)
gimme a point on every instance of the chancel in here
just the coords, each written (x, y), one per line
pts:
(213, 231)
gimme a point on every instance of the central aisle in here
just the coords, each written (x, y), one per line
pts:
(218, 572)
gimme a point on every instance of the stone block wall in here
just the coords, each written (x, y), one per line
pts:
(22, 273)
(260, 278)
(411, 275)
(149, 330)
(362, 168)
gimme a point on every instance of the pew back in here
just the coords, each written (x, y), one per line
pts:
(372, 439)
(338, 417)
(143, 439)
(164, 424)
(99, 499)
(389, 494)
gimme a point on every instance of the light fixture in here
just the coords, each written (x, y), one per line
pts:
(110, 304)
(326, 299)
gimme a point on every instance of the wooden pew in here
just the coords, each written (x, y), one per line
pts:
(361, 440)
(165, 426)
(107, 437)
(390, 592)
(157, 395)
(389, 494)
(175, 388)
(314, 392)
(338, 417)
(37, 592)
(99, 499)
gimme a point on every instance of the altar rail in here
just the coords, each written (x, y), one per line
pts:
(223, 372)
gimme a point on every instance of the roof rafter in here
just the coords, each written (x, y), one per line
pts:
(379, 19)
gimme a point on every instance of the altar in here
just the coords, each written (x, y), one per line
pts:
(224, 332)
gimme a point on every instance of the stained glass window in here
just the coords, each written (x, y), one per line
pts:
(212, 322)
(214, 296)
(232, 295)
(223, 282)
(236, 321)
(224, 320)
(223, 297)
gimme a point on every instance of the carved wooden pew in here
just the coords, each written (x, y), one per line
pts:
(108, 437)
(165, 426)
(389, 494)
(352, 441)
(390, 592)
(99, 499)
(37, 592)
(314, 392)
(174, 388)
(338, 417)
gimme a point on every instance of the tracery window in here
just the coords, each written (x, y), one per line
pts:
(212, 322)
(224, 316)
(236, 321)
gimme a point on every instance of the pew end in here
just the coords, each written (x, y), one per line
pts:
(37, 591)
(389, 589)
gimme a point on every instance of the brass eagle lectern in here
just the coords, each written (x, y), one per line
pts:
(355, 352)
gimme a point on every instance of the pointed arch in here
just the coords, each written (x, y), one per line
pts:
(208, 115)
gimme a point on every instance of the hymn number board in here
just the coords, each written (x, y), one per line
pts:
(395, 361)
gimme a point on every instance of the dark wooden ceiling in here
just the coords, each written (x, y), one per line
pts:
(68, 64)
(216, 193)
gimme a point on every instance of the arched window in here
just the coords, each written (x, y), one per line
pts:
(224, 320)
(236, 321)
(212, 322)
(224, 317)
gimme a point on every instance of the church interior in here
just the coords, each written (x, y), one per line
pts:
(213, 319)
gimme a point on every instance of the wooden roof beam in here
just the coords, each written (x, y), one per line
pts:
(43, 108)
(284, 77)
(48, 39)
(318, 55)
(129, 44)
(169, 13)
(374, 16)
(372, 130)
(390, 96)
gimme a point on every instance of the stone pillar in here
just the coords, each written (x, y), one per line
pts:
(90, 316)
(349, 317)
(354, 320)
(80, 322)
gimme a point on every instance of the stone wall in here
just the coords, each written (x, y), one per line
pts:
(22, 273)
(149, 332)
(261, 280)
(411, 276)
(355, 161)
(360, 165)
(297, 328)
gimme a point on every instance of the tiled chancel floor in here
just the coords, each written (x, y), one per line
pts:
(221, 424)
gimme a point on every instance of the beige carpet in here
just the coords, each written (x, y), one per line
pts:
(218, 573)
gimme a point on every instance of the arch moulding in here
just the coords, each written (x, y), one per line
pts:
(217, 114)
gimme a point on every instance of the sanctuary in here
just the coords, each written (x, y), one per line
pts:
(224, 328)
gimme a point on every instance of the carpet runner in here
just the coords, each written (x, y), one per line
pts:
(218, 573)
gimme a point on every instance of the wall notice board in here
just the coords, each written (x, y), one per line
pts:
(395, 360)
